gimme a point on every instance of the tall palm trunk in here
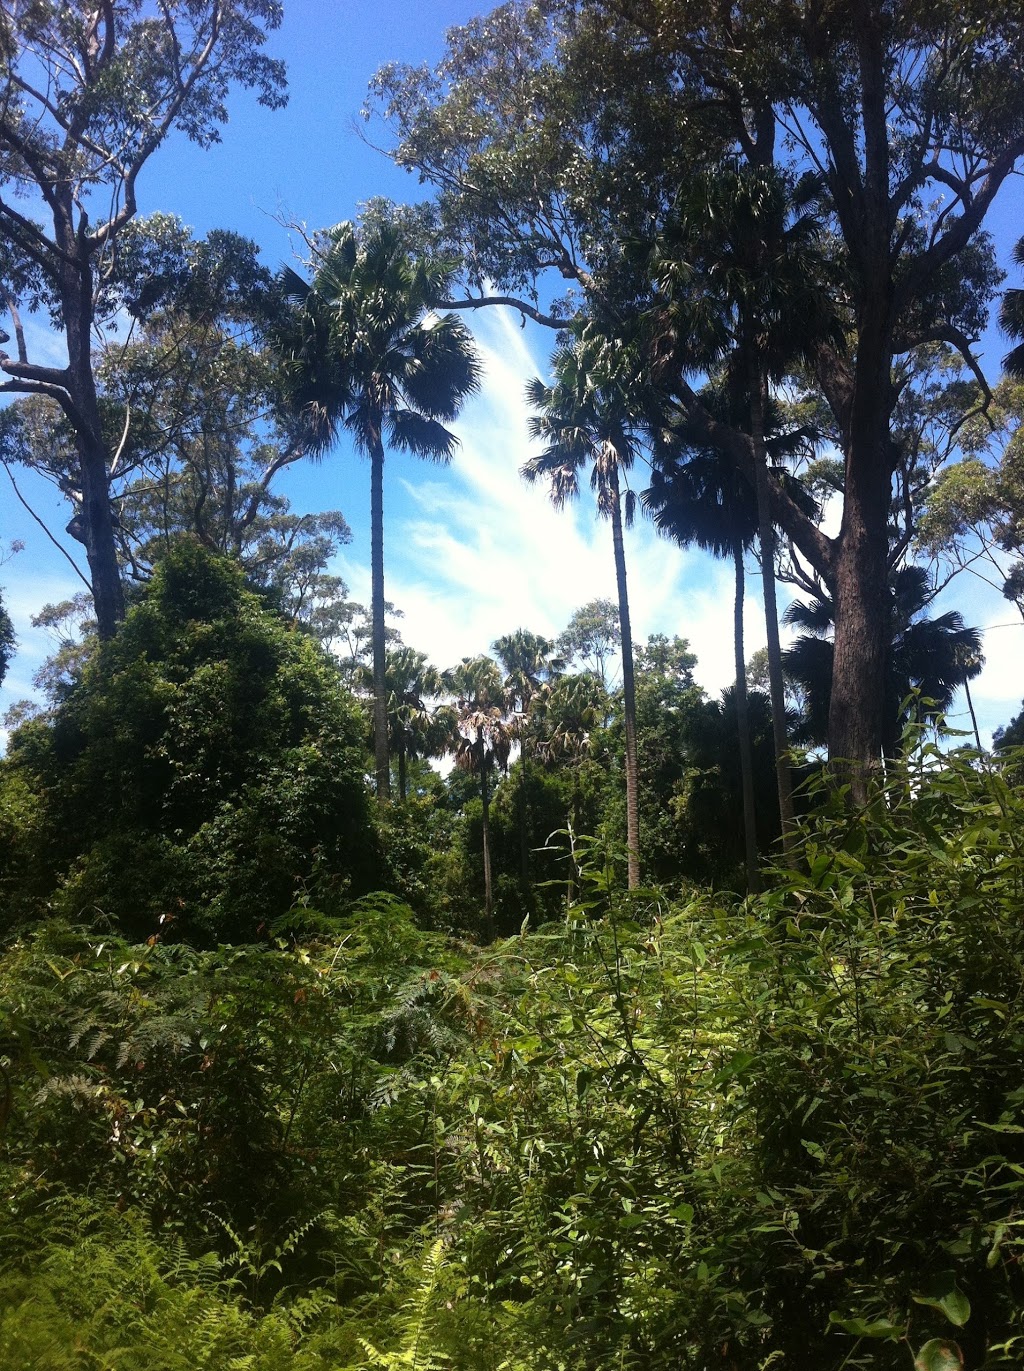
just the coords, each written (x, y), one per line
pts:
(766, 537)
(523, 805)
(488, 929)
(380, 695)
(628, 692)
(743, 728)
(402, 782)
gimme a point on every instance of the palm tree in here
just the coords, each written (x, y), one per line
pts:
(568, 714)
(481, 739)
(929, 659)
(366, 355)
(1011, 321)
(413, 732)
(705, 501)
(745, 294)
(592, 413)
(529, 665)
(697, 496)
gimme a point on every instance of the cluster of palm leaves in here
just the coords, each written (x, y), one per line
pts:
(476, 713)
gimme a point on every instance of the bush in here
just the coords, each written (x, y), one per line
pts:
(204, 773)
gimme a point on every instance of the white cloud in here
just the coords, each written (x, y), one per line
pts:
(475, 551)
(1002, 678)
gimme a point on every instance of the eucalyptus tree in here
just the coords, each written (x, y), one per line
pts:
(972, 515)
(365, 354)
(556, 134)
(7, 640)
(89, 93)
(481, 739)
(591, 415)
(592, 637)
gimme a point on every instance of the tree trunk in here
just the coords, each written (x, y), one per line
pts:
(766, 538)
(628, 694)
(861, 574)
(488, 929)
(97, 533)
(380, 698)
(96, 518)
(523, 805)
(974, 717)
(743, 728)
(402, 782)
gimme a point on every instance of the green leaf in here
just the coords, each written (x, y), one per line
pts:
(864, 1328)
(939, 1355)
(943, 1295)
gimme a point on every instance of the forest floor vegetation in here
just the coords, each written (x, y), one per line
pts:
(785, 1131)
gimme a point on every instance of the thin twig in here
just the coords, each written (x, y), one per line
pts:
(62, 550)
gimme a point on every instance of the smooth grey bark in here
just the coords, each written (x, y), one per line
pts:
(743, 730)
(628, 692)
(382, 758)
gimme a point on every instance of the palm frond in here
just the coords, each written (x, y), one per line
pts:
(412, 432)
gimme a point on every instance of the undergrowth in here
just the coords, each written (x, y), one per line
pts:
(783, 1132)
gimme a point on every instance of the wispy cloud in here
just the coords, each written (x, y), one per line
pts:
(475, 551)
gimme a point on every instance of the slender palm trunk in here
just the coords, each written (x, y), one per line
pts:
(488, 929)
(523, 805)
(743, 728)
(766, 537)
(628, 693)
(974, 717)
(380, 697)
(402, 782)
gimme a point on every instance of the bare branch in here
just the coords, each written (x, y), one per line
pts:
(522, 306)
(60, 548)
(19, 331)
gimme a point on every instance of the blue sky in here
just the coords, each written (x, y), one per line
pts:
(471, 551)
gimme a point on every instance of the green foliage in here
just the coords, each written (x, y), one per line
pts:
(203, 773)
(782, 1132)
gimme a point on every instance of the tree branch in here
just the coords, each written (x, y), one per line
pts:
(60, 548)
(523, 307)
(19, 331)
(56, 393)
(150, 144)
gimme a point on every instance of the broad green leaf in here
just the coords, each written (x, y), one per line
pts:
(944, 1295)
(939, 1355)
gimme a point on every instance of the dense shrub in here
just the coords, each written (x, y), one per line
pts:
(204, 772)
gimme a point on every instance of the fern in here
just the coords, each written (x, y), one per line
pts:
(414, 1352)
